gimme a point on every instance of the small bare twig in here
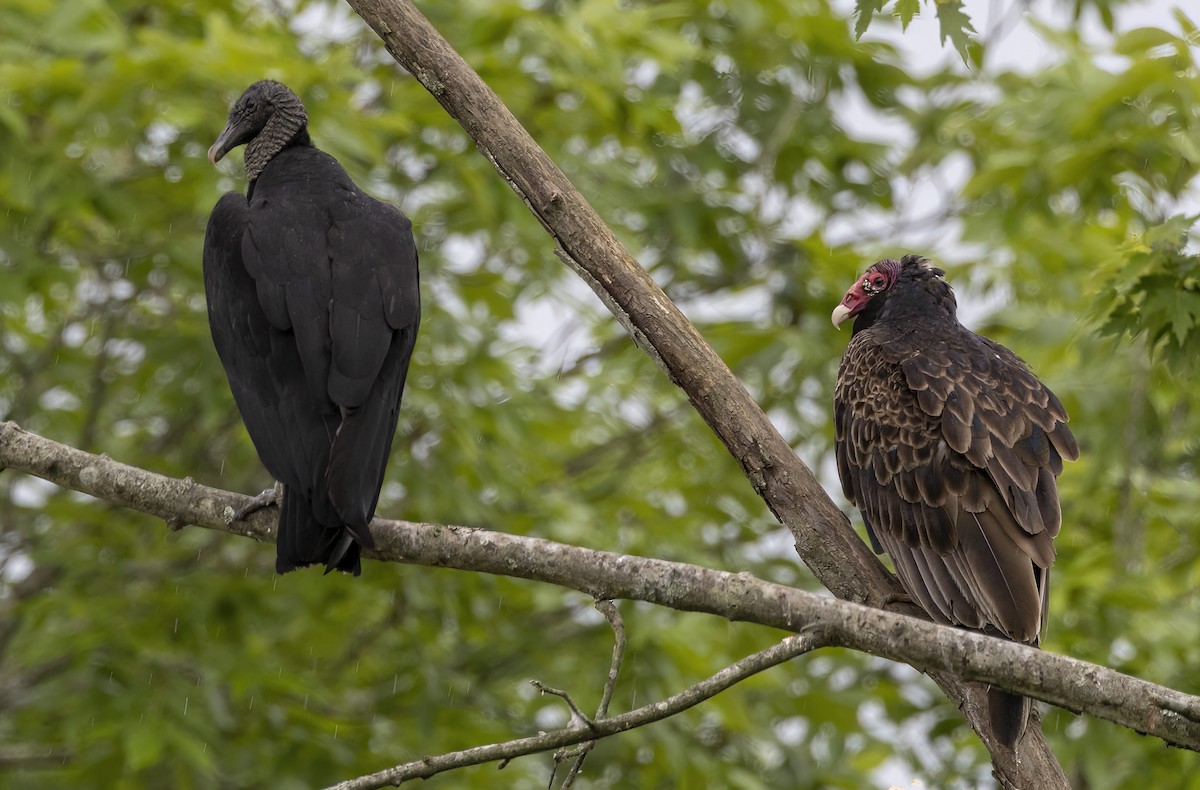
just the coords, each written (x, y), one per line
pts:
(580, 753)
(577, 754)
(577, 716)
(610, 611)
(731, 675)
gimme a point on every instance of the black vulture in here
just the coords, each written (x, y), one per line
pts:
(313, 304)
(950, 447)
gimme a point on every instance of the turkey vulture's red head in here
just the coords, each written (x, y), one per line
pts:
(892, 277)
(876, 280)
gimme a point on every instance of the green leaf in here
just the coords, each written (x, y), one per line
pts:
(1185, 22)
(906, 10)
(955, 25)
(864, 11)
(1140, 41)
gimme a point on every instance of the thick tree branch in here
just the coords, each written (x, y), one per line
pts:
(823, 537)
(1069, 683)
(577, 733)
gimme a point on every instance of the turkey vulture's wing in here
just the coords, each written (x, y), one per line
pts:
(997, 414)
(949, 447)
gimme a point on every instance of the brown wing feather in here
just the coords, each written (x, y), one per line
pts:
(949, 446)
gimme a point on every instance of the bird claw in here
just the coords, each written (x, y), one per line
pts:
(269, 497)
(896, 599)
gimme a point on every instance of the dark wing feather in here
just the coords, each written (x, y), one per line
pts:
(949, 446)
(260, 362)
(376, 311)
(374, 289)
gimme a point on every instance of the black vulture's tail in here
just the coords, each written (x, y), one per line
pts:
(304, 541)
(344, 554)
(1009, 715)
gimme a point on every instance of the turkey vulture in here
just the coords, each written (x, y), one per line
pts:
(313, 305)
(950, 446)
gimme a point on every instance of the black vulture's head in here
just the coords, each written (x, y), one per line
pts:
(269, 111)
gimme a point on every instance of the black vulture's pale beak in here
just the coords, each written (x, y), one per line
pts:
(231, 137)
(221, 147)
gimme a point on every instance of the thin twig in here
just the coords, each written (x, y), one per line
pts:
(788, 649)
(577, 754)
(580, 753)
(610, 611)
(576, 714)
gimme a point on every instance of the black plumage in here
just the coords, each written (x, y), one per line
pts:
(950, 447)
(313, 304)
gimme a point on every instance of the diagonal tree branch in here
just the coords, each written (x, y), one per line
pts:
(426, 767)
(823, 538)
(963, 655)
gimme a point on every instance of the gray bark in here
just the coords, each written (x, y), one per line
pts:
(963, 655)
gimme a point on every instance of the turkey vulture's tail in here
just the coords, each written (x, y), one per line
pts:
(1008, 715)
(305, 541)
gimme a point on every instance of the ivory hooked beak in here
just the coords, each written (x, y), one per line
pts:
(840, 314)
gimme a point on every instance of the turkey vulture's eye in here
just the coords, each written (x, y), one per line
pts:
(877, 281)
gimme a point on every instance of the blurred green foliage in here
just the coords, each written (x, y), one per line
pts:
(954, 22)
(717, 139)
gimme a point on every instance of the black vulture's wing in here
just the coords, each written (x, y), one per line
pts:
(337, 271)
(263, 368)
(950, 447)
(375, 312)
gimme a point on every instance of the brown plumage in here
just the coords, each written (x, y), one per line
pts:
(950, 447)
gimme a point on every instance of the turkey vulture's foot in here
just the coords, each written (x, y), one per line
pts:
(272, 496)
(896, 599)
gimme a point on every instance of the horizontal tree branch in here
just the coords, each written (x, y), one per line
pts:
(426, 767)
(1067, 682)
